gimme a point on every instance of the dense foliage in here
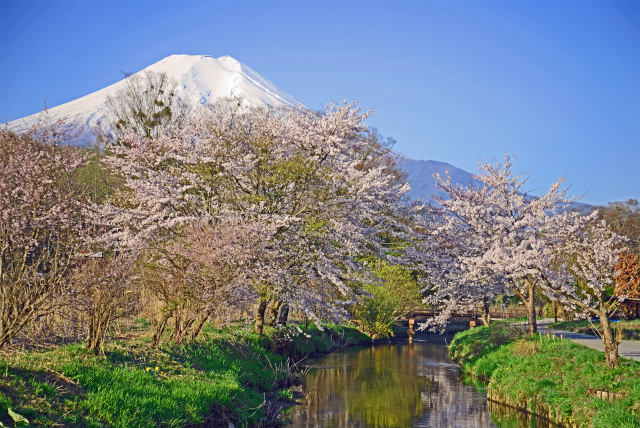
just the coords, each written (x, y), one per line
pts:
(387, 300)
(42, 226)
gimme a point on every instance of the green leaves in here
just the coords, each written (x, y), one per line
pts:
(18, 418)
(388, 301)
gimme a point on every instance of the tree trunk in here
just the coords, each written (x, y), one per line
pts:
(97, 331)
(157, 336)
(177, 327)
(90, 333)
(610, 343)
(259, 310)
(284, 314)
(531, 310)
(198, 327)
(274, 312)
(485, 317)
(181, 329)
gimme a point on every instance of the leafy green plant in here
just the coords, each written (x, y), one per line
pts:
(385, 302)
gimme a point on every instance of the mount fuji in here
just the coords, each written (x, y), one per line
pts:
(204, 79)
(201, 79)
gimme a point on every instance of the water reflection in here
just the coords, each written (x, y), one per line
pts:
(397, 385)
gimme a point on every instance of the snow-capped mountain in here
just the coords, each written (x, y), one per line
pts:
(200, 78)
(204, 79)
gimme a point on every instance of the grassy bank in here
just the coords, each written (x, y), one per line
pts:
(225, 376)
(547, 376)
(630, 329)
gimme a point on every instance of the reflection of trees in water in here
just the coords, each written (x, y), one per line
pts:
(450, 403)
(390, 386)
(507, 416)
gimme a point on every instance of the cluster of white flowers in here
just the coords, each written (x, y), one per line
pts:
(492, 238)
(318, 190)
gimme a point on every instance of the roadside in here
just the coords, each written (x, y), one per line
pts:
(630, 330)
(627, 349)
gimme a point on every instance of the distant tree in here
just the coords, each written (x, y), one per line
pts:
(146, 102)
(394, 294)
(628, 276)
(624, 219)
(628, 281)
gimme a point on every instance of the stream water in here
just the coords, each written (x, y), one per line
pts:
(389, 385)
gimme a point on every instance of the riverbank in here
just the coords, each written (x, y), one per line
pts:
(228, 375)
(552, 378)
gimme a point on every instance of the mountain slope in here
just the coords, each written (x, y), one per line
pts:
(421, 177)
(200, 79)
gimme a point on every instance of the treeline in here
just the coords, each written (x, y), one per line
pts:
(190, 214)
(187, 220)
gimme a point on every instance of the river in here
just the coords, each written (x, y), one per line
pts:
(389, 385)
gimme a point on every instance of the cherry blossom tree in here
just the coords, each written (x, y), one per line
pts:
(503, 229)
(324, 175)
(449, 285)
(317, 179)
(208, 272)
(103, 292)
(583, 275)
(41, 225)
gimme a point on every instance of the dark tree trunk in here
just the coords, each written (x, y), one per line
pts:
(198, 327)
(182, 327)
(97, 332)
(259, 310)
(90, 333)
(157, 336)
(274, 312)
(485, 317)
(284, 314)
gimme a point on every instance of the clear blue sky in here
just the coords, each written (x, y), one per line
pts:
(554, 83)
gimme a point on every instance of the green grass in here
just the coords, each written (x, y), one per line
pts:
(222, 376)
(630, 329)
(550, 376)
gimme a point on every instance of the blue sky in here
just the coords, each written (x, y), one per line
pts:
(554, 83)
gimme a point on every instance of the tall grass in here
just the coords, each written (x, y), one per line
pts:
(223, 377)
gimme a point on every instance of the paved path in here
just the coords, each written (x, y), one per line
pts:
(627, 349)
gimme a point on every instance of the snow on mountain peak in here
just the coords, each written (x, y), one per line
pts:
(200, 78)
